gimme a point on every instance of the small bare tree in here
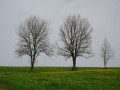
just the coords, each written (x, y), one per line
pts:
(33, 39)
(106, 52)
(75, 35)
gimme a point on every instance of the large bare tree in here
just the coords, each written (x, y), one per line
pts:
(75, 36)
(106, 52)
(33, 39)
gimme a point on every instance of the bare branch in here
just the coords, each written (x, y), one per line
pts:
(106, 52)
(33, 38)
(75, 35)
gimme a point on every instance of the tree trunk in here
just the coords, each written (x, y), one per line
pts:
(32, 66)
(105, 63)
(74, 64)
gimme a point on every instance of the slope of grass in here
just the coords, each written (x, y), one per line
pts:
(59, 78)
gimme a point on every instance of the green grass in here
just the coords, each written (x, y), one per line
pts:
(59, 78)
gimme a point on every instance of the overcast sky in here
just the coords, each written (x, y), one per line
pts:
(104, 16)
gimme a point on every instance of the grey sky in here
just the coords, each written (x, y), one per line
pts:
(104, 16)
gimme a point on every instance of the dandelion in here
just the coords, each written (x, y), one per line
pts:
(35, 82)
(44, 82)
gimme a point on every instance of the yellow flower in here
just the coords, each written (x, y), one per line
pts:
(35, 82)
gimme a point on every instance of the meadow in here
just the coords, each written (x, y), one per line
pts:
(59, 78)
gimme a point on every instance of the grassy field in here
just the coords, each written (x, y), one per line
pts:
(59, 78)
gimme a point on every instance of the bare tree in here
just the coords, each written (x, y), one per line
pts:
(106, 52)
(75, 36)
(33, 39)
